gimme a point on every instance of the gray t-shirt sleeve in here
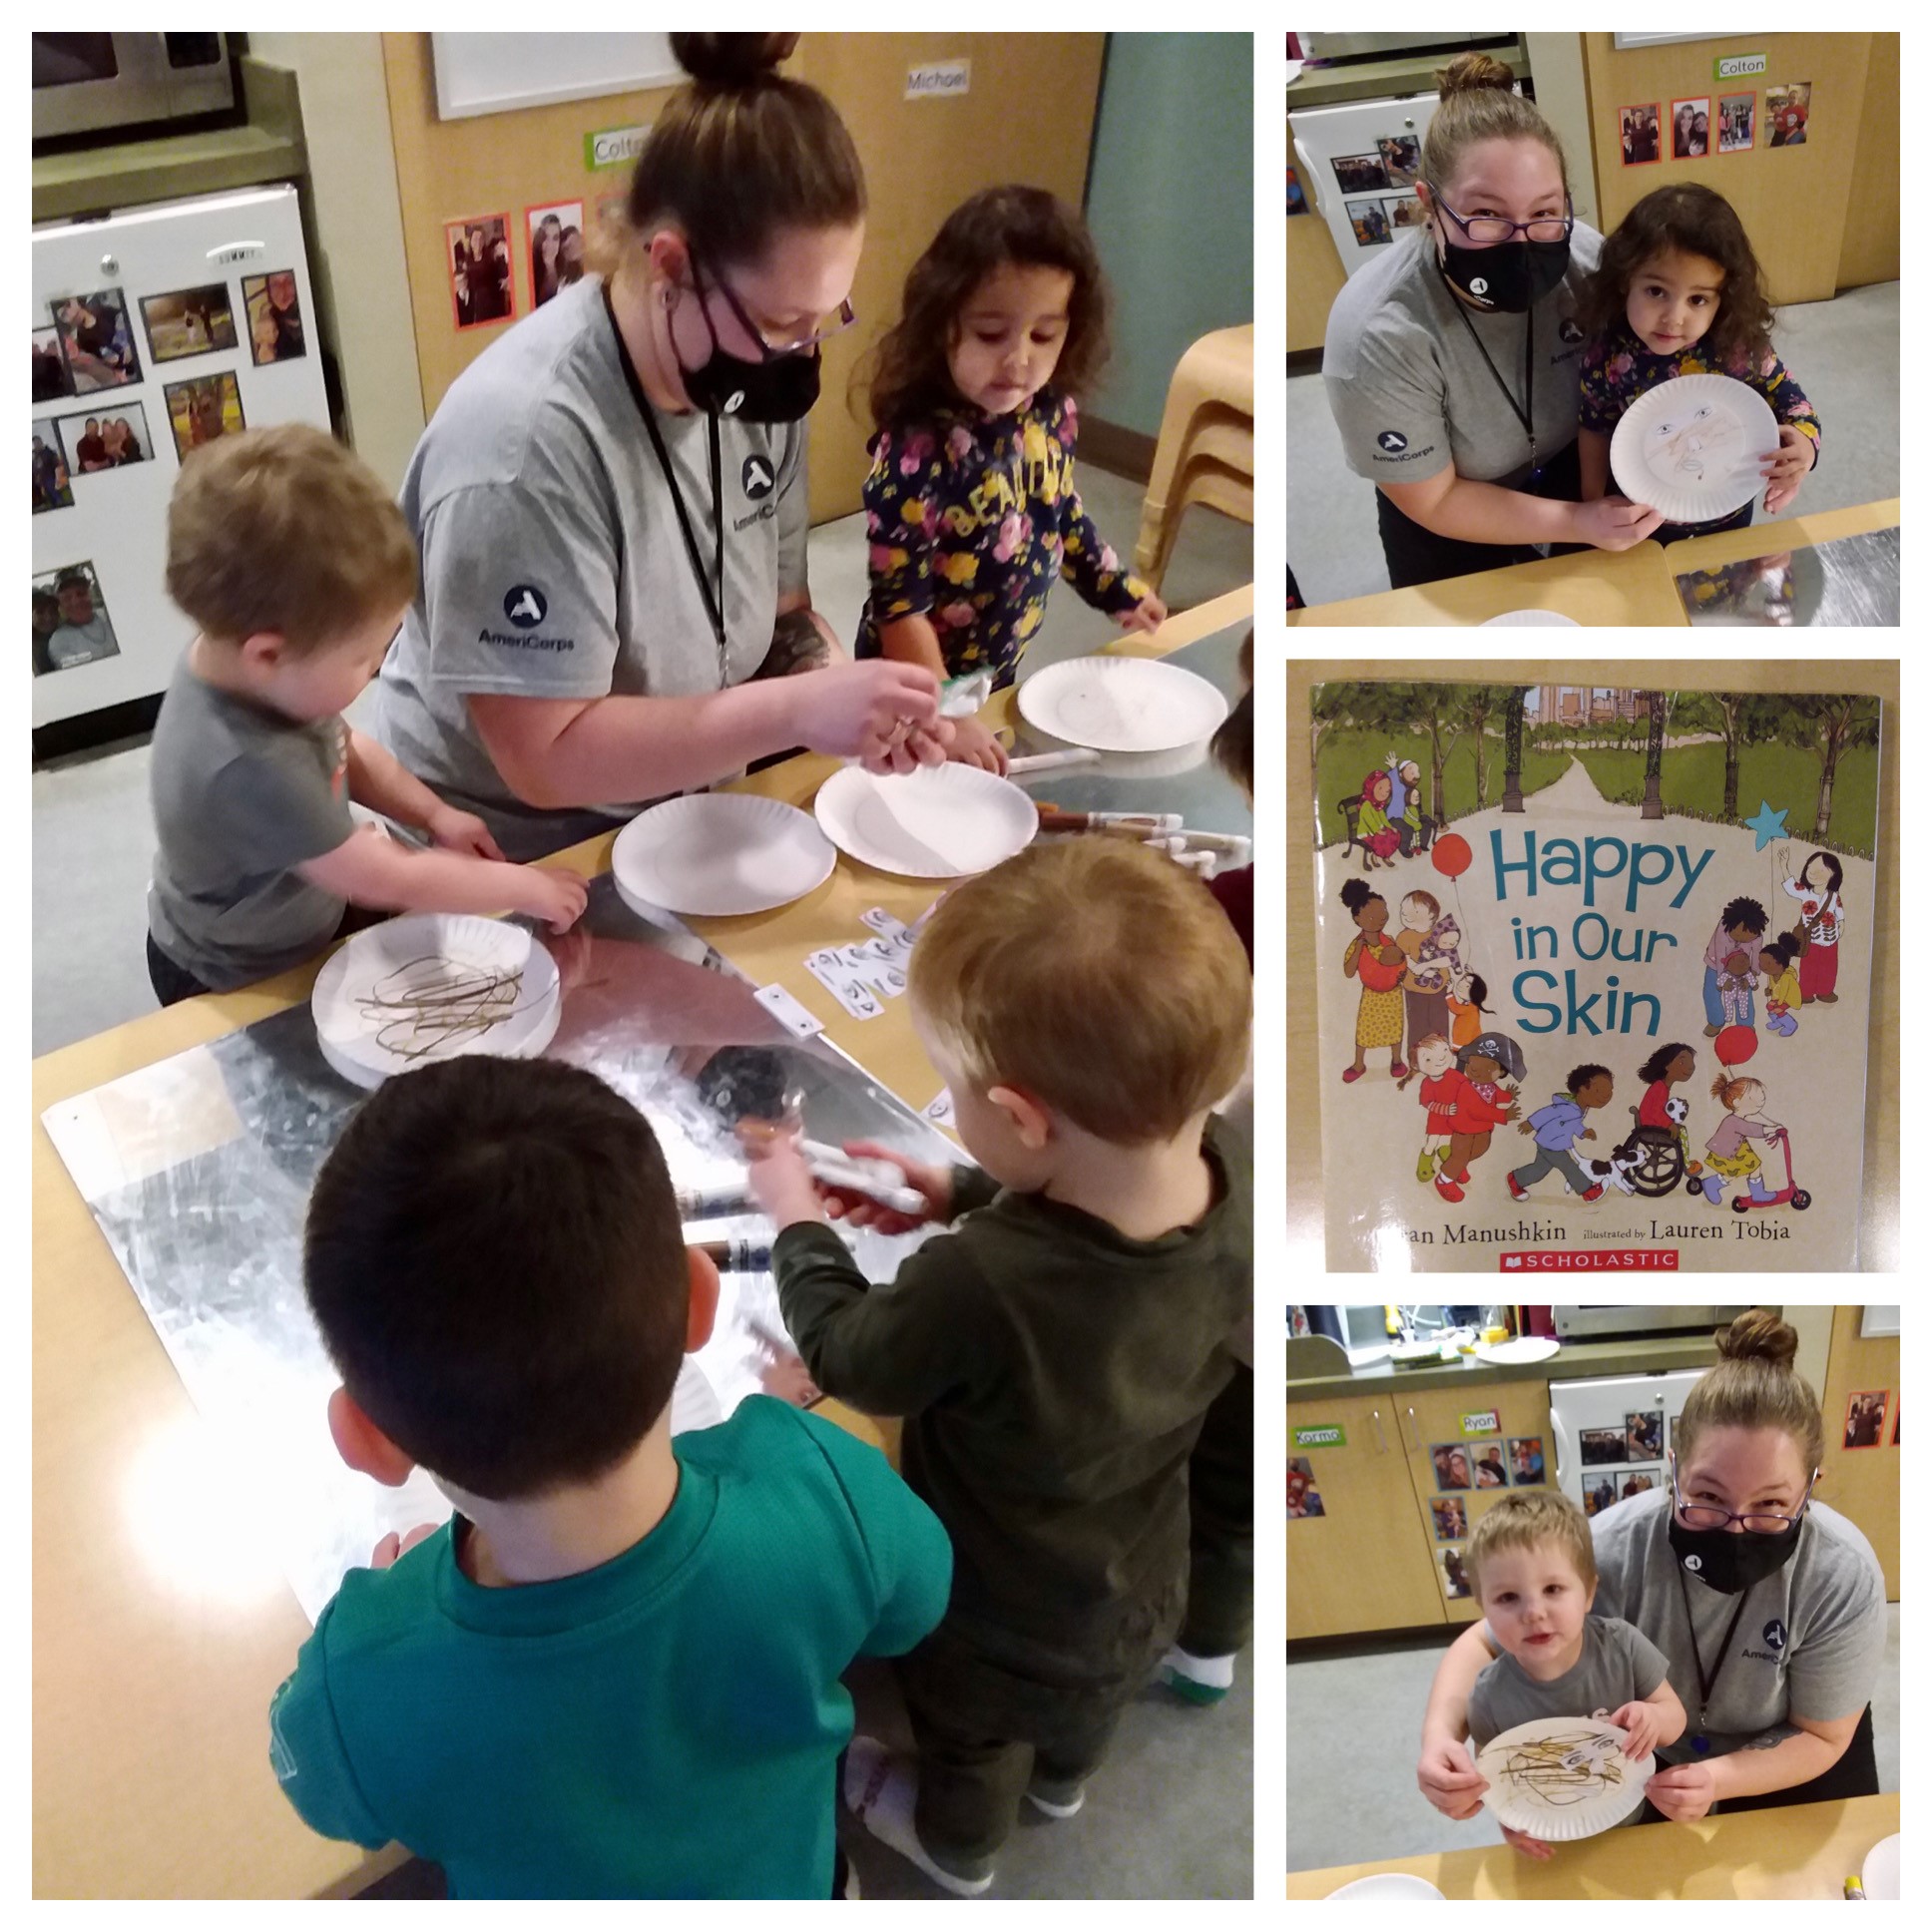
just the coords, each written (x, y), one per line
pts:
(519, 587)
(1390, 407)
(795, 513)
(1647, 1665)
(1835, 1652)
(276, 808)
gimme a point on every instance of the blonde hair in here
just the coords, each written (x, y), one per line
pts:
(1095, 975)
(285, 530)
(1479, 103)
(1754, 1386)
(1523, 1519)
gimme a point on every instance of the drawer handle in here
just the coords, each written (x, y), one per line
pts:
(1376, 1416)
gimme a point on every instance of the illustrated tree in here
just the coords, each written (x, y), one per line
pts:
(1436, 710)
(1740, 718)
(1513, 748)
(1830, 725)
(1333, 707)
(1481, 705)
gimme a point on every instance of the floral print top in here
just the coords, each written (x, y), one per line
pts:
(1617, 368)
(969, 518)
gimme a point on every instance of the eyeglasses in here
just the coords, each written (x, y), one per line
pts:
(835, 324)
(1493, 228)
(1709, 1516)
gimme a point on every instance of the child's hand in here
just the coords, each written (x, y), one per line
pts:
(861, 1211)
(1797, 453)
(1447, 1776)
(778, 1175)
(461, 831)
(1589, 1133)
(1511, 1111)
(973, 744)
(1526, 1128)
(1528, 1846)
(557, 898)
(1147, 615)
(1638, 1722)
(391, 1547)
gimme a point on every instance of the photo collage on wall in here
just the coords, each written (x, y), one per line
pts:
(1471, 1466)
(1865, 1419)
(1305, 1499)
(1392, 173)
(1691, 133)
(1620, 1463)
(88, 354)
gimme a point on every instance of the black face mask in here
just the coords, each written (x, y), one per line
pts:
(1508, 275)
(1732, 1560)
(779, 390)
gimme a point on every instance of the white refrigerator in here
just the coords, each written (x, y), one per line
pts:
(1613, 1434)
(1358, 165)
(155, 328)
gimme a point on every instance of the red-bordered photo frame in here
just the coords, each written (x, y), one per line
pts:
(461, 229)
(1743, 148)
(1643, 107)
(1691, 101)
(1884, 1399)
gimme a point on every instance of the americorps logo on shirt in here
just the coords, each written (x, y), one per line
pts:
(1570, 330)
(525, 605)
(759, 477)
(1392, 440)
(1775, 1635)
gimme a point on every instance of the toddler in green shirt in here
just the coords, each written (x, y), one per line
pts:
(614, 1671)
(1056, 1351)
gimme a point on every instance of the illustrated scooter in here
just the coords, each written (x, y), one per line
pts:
(1791, 1192)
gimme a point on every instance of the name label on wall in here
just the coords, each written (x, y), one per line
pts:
(613, 146)
(1483, 1423)
(938, 78)
(1733, 67)
(1327, 1435)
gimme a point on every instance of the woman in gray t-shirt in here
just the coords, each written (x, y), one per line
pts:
(1769, 1606)
(609, 504)
(1451, 362)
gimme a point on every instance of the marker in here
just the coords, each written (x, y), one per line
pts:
(738, 1256)
(1051, 761)
(1235, 848)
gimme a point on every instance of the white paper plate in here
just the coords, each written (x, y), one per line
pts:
(363, 1022)
(1528, 620)
(717, 853)
(1524, 1803)
(939, 822)
(1525, 1349)
(1387, 1885)
(694, 1402)
(1121, 704)
(1880, 1875)
(1694, 447)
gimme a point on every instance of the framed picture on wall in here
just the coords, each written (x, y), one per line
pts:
(1691, 129)
(555, 234)
(1637, 129)
(482, 282)
(1736, 122)
(1788, 109)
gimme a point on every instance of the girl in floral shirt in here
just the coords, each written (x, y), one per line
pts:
(1679, 291)
(970, 507)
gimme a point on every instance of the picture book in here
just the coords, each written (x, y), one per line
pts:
(1592, 975)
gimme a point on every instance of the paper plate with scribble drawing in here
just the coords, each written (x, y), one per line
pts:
(1562, 1778)
(433, 985)
(1695, 447)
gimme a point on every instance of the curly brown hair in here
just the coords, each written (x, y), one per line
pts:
(1685, 218)
(906, 375)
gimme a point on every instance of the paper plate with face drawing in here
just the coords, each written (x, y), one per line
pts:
(1695, 447)
(1562, 1778)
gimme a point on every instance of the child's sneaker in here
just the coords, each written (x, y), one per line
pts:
(1594, 1193)
(1447, 1188)
(1517, 1190)
(1057, 1798)
(880, 1792)
(1425, 1166)
(1201, 1680)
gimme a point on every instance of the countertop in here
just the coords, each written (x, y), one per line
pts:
(1572, 1362)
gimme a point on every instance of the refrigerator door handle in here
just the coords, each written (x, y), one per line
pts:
(1375, 1416)
(1310, 181)
(1562, 1435)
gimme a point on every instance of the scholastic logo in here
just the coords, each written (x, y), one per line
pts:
(1585, 1260)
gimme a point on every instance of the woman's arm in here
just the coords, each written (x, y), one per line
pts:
(1445, 1776)
(1453, 506)
(556, 752)
(1689, 1790)
(1593, 459)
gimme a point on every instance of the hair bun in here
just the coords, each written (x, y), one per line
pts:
(1468, 73)
(727, 61)
(1758, 1335)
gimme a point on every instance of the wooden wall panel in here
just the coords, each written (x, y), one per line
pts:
(1870, 252)
(1794, 202)
(1863, 1483)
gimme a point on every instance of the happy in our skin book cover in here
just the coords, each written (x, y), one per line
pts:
(1592, 975)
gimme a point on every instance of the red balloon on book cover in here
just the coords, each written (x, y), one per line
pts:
(1734, 1045)
(1451, 855)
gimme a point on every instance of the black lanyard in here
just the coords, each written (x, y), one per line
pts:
(1705, 1685)
(713, 600)
(1524, 411)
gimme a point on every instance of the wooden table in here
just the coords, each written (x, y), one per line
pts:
(1791, 1851)
(155, 1655)
(1597, 587)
